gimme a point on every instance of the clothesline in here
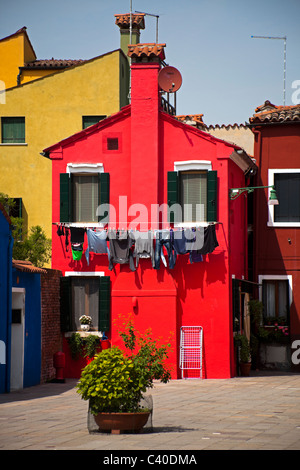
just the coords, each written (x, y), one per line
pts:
(168, 227)
(124, 245)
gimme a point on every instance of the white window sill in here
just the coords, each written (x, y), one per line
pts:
(283, 224)
(83, 224)
(14, 144)
(191, 224)
(84, 334)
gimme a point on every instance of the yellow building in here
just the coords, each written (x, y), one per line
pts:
(45, 105)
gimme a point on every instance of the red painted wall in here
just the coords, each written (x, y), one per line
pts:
(197, 294)
(276, 147)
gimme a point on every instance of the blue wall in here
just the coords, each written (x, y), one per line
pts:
(32, 348)
(6, 243)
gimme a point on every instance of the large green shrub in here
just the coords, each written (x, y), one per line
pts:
(116, 380)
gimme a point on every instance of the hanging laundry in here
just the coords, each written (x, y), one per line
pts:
(77, 251)
(164, 238)
(67, 239)
(210, 240)
(77, 240)
(143, 246)
(97, 243)
(60, 231)
(196, 240)
(120, 244)
(186, 241)
(183, 241)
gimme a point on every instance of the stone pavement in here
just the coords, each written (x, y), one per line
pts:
(260, 412)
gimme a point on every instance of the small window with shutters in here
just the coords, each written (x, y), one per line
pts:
(85, 296)
(81, 195)
(13, 130)
(195, 192)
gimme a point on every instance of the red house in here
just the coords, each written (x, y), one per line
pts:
(277, 229)
(143, 172)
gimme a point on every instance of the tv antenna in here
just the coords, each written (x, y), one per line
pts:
(284, 58)
(155, 16)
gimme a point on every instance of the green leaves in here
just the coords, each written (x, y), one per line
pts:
(116, 380)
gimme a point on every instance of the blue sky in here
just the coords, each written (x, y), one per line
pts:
(225, 72)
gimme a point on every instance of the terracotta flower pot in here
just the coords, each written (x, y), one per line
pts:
(117, 422)
(245, 368)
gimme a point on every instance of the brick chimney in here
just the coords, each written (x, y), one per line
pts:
(138, 23)
(145, 106)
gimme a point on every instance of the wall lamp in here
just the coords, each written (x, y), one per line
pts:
(236, 192)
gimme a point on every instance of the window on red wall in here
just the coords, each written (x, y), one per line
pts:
(276, 301)
(287, 187)
(85, 197)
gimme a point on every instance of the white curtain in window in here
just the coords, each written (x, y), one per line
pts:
(85, 198)
(193, 195)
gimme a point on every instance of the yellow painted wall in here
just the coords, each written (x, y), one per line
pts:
(14, 52)
(53, 108)
(33, 74)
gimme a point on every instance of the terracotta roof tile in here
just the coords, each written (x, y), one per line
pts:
(138, 51)
(52, 63)
(269, 113)
(137, 20)
(193, 119)
(27, 266)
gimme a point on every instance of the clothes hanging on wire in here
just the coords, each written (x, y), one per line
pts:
(210, 240)
(120, 244)
(77, 240)
(164, 238)
(97, 243)
(143, 246)
(186, 241)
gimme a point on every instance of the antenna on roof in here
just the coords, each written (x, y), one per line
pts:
(130, 40)
(156, 16)
(284, 58)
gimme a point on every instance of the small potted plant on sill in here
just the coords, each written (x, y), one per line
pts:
(243, 344)
(115, 381)
(85, 322)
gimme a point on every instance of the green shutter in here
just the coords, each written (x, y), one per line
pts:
(173, 193)
(104, 304)
(211, 196)
(103, 193)
(91, 120)
(13, 130)
(65, 304)
(65, 197)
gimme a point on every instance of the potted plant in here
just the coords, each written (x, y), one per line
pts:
(115, 381)
(243, 344)
(85, 322)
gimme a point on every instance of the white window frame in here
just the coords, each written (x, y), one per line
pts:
(274, 277)
(192, 165)
(271, 177)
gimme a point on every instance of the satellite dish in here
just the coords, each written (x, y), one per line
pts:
(169, 79)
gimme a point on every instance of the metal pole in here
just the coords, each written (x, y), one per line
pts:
(156, 16)
(284, 70)
(284, 58)
(130, 40)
